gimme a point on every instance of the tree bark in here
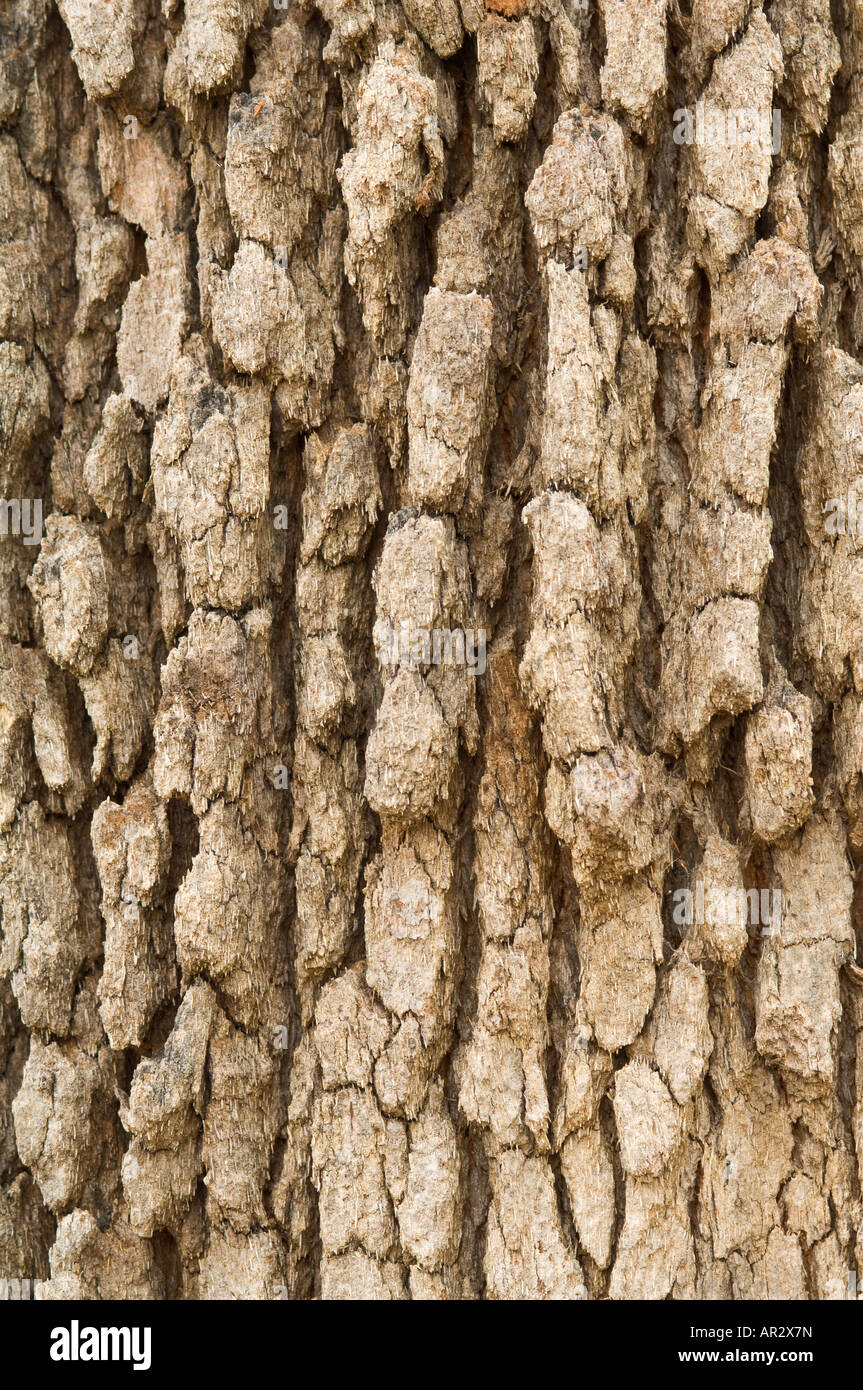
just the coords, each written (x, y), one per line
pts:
(431, 648)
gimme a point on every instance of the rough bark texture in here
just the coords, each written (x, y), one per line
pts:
(332, 967)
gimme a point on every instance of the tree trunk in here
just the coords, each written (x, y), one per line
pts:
(431, 648)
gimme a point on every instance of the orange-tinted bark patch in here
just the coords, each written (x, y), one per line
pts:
(510, 9)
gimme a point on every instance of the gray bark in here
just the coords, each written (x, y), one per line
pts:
(431, 648)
